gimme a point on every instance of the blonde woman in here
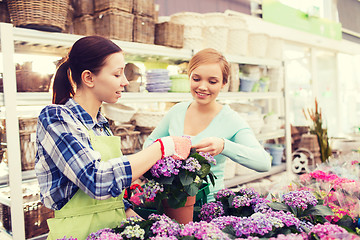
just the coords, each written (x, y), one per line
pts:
(214, 128)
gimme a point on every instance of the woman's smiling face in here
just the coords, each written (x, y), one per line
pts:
(206, 81)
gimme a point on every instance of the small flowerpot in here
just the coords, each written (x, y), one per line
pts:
(182, 215)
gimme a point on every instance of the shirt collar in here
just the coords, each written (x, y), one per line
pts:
(84, 117)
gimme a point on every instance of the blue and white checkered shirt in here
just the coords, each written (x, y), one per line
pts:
(65, 160)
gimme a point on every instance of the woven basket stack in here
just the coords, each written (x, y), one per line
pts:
(46, 15)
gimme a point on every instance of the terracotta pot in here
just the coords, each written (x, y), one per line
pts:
(184, 214)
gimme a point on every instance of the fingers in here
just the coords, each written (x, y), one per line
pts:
(212, 145)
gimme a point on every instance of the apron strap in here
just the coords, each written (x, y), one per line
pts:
(99, 207)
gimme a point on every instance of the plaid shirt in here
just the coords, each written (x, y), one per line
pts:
(65, 160)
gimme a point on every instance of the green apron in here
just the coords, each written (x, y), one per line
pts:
(83, 215)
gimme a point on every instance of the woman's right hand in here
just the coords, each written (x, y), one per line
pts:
(176, 146)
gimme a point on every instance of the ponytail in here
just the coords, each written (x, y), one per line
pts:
(62, 85)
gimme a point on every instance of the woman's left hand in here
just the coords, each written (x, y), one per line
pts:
(211, 145)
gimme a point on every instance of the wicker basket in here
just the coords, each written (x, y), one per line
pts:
(214, 19)
(129, 140)
(4, 12)
(123, 5)
(46, 15)
(235, 22)
(144, 29)
(114, 24)
(28, 81)
(35, 213)
(275, 48)
(148, 119)
(144, 8)
(169, 34)
(84, 25)
(215, 37)
(257, 44)
(144, 134)
(35, 216)
(237, 43)
(83, 7)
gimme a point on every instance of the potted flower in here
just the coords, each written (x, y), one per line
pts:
(174, 181)
(304, 205)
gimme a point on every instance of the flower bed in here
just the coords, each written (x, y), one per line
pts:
(321, 205)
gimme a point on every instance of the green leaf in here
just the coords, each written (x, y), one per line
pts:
(205, 170)
(186, 177)
(212, 178)
(165, 180)
(279, 206)
(177, 200)
(192, 189)
(348, 223)
(318, 210)
(187, 238)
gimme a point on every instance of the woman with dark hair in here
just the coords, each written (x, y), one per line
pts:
(79, 164)
(214, 128)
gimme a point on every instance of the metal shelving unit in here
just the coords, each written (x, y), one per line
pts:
(19, 40)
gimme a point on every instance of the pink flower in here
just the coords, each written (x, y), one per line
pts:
(136, 198)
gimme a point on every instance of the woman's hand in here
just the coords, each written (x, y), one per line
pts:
(212, 145)
(176, 146)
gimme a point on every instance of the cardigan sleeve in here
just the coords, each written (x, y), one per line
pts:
(243, 147)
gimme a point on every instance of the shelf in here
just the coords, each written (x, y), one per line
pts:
(39, 98)
(254, 61)
(26, 175)
(271, 135)
(51, 43)
(40, 42)
(4, 235)
(237, 180)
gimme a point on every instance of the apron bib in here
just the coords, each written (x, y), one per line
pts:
(83, 215)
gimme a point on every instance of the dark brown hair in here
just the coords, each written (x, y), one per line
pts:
(87, 53)
(210, 55)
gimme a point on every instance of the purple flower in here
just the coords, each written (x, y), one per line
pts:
(241, 201)
(151, 188)
(211, 210)
(327, 229)
(191, 164)
(305, 226)
(164, 226)
(260, 224)
(261, 205)
(248, 238)
(299, 199)
(249, 193)
(65, 238)
(224, 193)
(286, 218)
(163, 238)
(202, 230)
(166, 167)
(208, 157)
(96, 235)
(222, 222)
(256, 224)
